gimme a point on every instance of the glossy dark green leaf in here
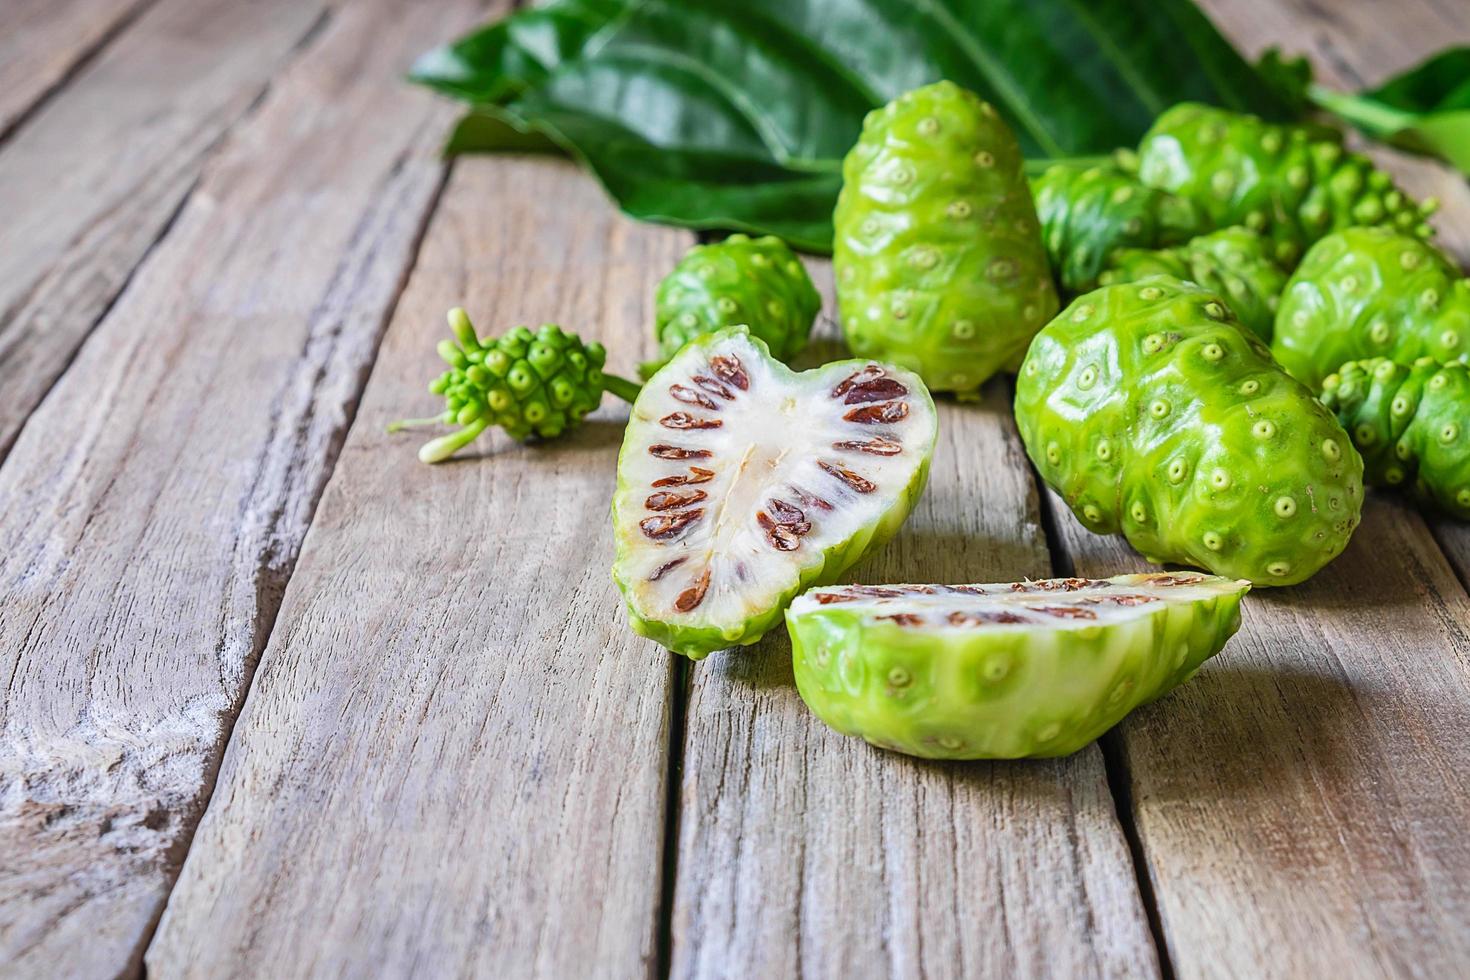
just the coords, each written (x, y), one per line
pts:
(737, 113)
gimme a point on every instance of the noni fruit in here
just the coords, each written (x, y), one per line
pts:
(741, 483)
(938, 255)
(1089, 212)
(534, 385)
(1234, 262)
(1412, 425)
(1003, 671)
(1294, 183)
(1370, 292)
(758, 282)
(1152, 411)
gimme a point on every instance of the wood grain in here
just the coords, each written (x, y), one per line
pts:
(91, 180)
(1302, 803)
(452, 707)
(802, 852)
(152, 508)
(43, 41)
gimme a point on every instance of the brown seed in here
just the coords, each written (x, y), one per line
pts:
(880, 389)
(714, 387)
(1131, 600)
(1065, 612)
(983, 616)
(666, 526)
(785, 513)
(874, 414)
(691, 397)
(905, 619)
(659, 572)
(697, 474)
(728, 369)
(828, 598)
(678, 452)
(847, 476)
(783, 537)
(683, 420)
(1163, 578)
(874, 591)
(870, 372)
(810, 499)
(873, 447)
(1059, 585)
(668, 500)
(694, 595)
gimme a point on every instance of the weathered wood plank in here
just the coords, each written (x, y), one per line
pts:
(1302, 803)
(152, 508)
(43, 41)
(805, 853)
(451, 687)
(90, 181)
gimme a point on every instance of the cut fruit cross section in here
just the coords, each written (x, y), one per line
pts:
(1003, 671)
(741, 483)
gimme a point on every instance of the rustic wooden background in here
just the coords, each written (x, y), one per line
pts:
(281, 701)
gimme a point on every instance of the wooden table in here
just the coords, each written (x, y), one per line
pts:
(281, 701)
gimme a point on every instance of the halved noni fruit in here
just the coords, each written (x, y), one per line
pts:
(1003, 671)
(742, 483)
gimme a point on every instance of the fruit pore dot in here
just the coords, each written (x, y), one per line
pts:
(1331, 451)
(1212, 352)
(1150, 292)
(1220, 479)
(1159, 408)
(1178, 469)
(1264, 429)
(1213, 541)
(1278, 568)
(1250, 386)
(1082, 312)
(985, 159)
(1285, 507)
(1138, 512)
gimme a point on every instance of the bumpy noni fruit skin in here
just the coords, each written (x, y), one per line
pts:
(741, 483)
(1294, 183)
(532, 384)
(1412, 425)
(1369, 292)
(758, 282)
(1003, 671)
(1152, 411)
(1088, 213)
(1234, 262)
(938, 255)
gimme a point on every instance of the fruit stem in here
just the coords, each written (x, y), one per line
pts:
(440, 449)
(444, 418)
(622, 387)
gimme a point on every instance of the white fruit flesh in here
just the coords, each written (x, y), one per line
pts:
(1063, 604)
(738, 476)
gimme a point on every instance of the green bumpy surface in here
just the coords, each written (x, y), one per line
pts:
(1295, 183)
(1233, 262)
(938, 256)
(757, 282)
(999, 693)
(1369, 292)
(1088, 213)
(1152, 411)
(1412, 425)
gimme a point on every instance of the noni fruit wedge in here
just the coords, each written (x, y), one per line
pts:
(938, 255)
(1294, 183)
(1370, 292)
(1152, 411)
(758, 282)
(1003, 671)
(1234, 262)
(534, 385)
(1412, 425)
(1089, 212)
(741, 483)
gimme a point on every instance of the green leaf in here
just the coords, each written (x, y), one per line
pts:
(736, 114)
(491, 130)
(1425, 110)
